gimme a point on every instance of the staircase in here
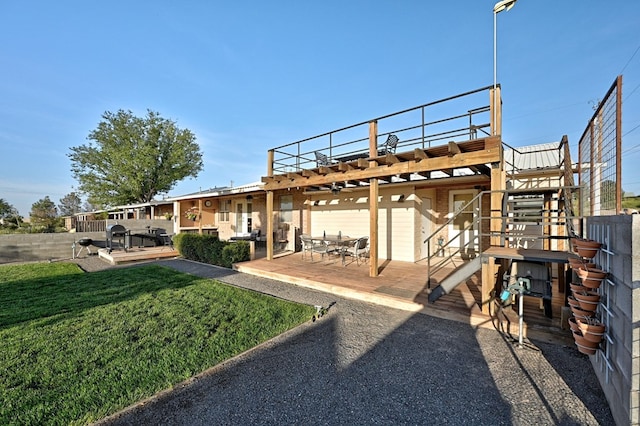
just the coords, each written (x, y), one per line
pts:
(533, 217)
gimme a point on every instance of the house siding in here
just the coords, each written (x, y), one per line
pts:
(348, 213)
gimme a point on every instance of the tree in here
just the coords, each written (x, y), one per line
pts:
(9, 216)
(7, 210)
(69, 204)
(44, 213)
(132, 159)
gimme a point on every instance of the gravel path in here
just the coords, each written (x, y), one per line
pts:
(369, 364)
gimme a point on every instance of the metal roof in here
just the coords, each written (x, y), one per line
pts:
(532, 157)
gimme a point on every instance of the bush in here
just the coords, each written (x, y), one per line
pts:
(211, 250)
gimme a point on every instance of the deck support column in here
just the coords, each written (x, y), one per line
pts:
(488, 281)
(269, 221)
(373, 202)
(498, 184)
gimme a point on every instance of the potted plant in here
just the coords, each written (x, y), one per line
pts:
(192, 213)
(168, 215)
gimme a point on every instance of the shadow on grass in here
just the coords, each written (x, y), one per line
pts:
(54, 298)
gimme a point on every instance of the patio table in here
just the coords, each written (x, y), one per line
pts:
(340, 242)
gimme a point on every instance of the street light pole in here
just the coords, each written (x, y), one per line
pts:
(499, 7)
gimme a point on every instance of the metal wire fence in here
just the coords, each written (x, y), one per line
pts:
(599, 153)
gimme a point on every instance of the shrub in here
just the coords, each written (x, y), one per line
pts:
(235, 252)
(210, 249)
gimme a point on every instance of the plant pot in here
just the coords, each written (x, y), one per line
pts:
(590, 326)
(591, 277)
(593, 337)
(578, 287)
(581, 314)
(586, 350)
(588, 306)
(586, 248)
(586, 252)
(573, 302)
(573, 324)
(586, 296)
(579, 338)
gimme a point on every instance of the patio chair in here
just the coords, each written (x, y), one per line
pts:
(321, 159)
(359, 249)
(307, 245)
(390, 145)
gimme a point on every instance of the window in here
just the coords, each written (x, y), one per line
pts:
(225, 207)
(286, 208)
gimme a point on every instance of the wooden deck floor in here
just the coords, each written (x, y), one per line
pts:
(403, 285)
(137, 253)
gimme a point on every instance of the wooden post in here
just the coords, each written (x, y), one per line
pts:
(495, 103)
(200, 216)
(488, 282)
(270, 162)
(269, 220)
(498, 183)
(373, 203)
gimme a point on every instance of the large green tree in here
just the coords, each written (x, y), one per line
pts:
(131, 159)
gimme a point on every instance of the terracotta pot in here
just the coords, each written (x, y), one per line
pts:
(579, 338)
(593, 337)
(586, 296)
(590, 326)
(586, 248)
(588, 306)
(591, 277)
(586, 350)
(580, 313)
(573, 302)
(586, 252)
(573, 324)
(578, 287)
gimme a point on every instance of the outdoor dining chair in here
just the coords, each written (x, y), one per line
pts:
(307, 245)
(390, 145)
(321, 159)
(358, 249)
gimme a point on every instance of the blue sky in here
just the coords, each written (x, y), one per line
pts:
(246, 76)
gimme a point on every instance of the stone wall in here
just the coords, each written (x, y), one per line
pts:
(617, 364)
(42, 247)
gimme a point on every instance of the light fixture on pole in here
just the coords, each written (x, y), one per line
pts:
(499, 7)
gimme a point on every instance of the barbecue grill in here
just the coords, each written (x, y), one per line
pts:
(119, 233)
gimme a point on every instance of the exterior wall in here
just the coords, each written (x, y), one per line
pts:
(620, 236)
(348, 213)
(287, 233)
(42, 247)
(424, 196)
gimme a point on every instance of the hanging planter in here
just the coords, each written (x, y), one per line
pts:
(573, 324)
(591, 325)
(586, 349)
(591, 277)
(581, 314)
(579, 339)
(578, 287)
(585, 248)
(586, 296)
(573, 302)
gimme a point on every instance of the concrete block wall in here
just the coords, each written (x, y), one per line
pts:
(42, 247)
(617, 365)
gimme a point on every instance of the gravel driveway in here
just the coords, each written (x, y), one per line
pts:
(369, 364)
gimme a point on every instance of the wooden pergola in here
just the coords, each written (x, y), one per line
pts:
(483, 156)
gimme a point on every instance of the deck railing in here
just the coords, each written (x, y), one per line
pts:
(507, 229)
(457, 118)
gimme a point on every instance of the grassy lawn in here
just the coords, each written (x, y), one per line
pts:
(78, 346)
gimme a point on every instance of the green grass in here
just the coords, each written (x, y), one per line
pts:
(78, 346)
